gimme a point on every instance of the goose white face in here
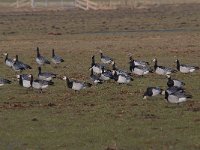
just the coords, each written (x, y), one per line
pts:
(168, 76)
(154, 59)
(18, 76)
(5, 54)
(64, 78)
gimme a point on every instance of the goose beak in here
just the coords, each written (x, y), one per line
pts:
(18, 76)
(64, 78)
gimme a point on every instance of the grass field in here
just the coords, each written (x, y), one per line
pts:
(108, 116)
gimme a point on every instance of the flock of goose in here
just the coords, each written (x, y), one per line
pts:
(100, 73)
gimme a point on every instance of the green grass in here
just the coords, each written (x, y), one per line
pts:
(108, 115)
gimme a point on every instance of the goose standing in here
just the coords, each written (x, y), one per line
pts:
(152, 91)
(4, 81)
(47, 76)
(76, 85)
(185, 68)
(106, 59)
(8, 61)
(40, 59)
(177, 97)
(161, 70)
(174, 82)
(97, 68)
(25, 66)
(55, 58)
(121, 79)
(16, 66)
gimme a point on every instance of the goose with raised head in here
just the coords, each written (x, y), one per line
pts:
(174, 82)
(161, 70)
(139, 70)
(95, 78)
(119, 71)
(121, 79)
(55, 58)
(139, 62)
(185, 68)
(25, 66)
(106, 59)
(8, 61)
(97, 68)
(41, 60)
(76, 85)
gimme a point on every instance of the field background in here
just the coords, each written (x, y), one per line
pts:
(108, 116)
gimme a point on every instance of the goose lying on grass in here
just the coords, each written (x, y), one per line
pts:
(119, 71)
(121, 79)
(161, 70)
(185, 68)
(139, 70)
(106, 59)
(152, 91)
(97, 68)
(174, 82)
(95, 78)
(177, 97)
(76, 85)
(4, 81)
(139, 62)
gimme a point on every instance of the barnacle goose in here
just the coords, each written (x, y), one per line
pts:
(185, 68)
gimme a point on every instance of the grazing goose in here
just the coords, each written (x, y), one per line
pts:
(184, 68)
(106, 59)
(16, 66)
(25, 66)
(95, 78)
(119, 71)
(175, 89)
(139, 62)
(47, 76)
(173, 82)
(40, 59)
(55, 58)
(9, 62)
(139, 70)
(177, 97)
(4, 81)
(97, 68)
(161, 70)
(121, 79)
(152, 91)
(106, 74)
(76, 85)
